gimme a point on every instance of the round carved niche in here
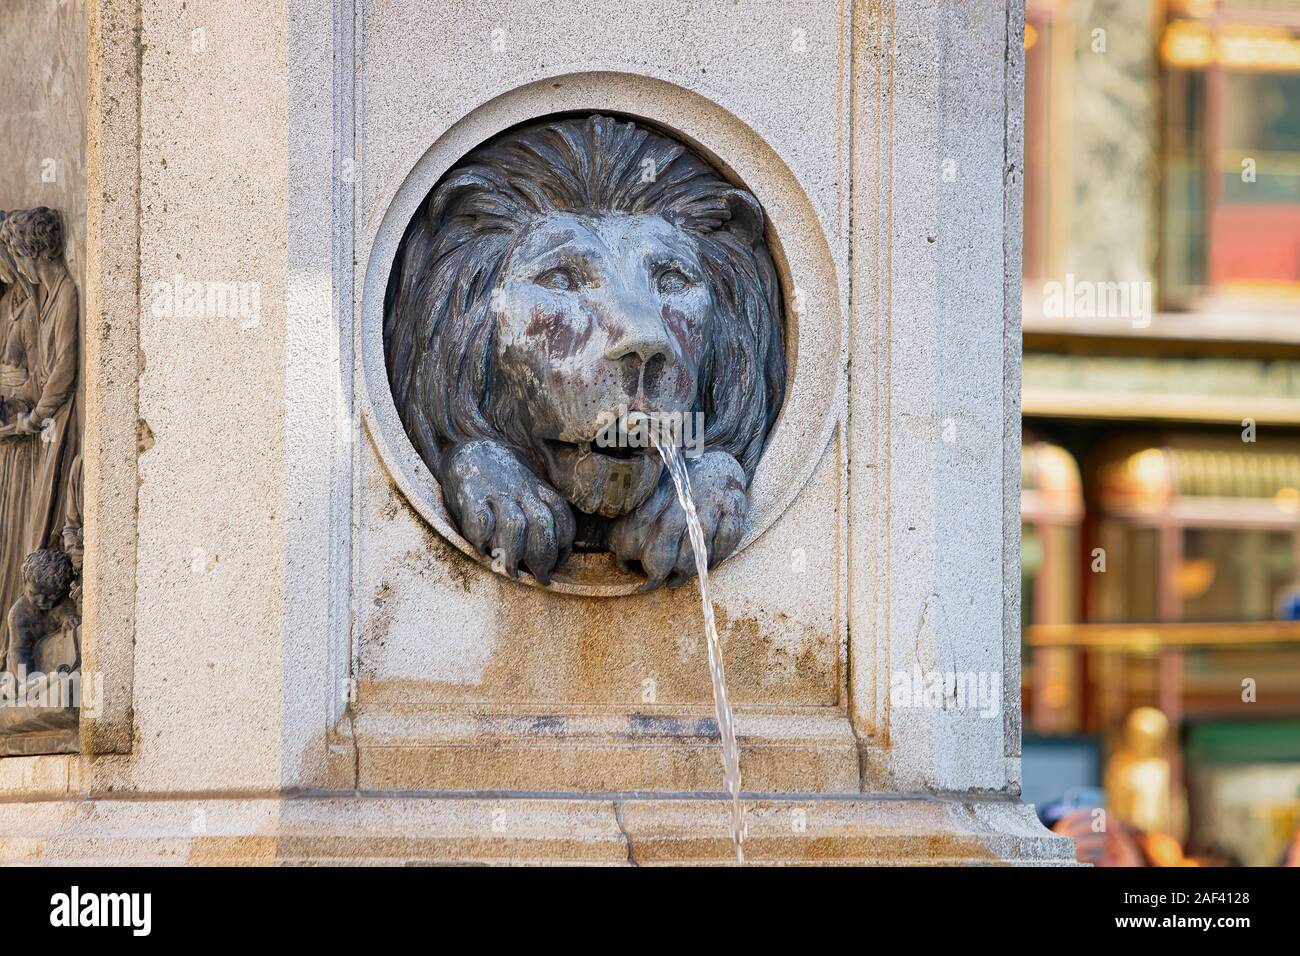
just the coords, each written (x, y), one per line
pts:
(555, 286)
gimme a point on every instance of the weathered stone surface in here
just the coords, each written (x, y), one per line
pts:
(606, 651)
(512, 831)
(643, 752)
(112, 362)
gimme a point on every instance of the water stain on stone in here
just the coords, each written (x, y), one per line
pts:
(457, 565)
(562, 651)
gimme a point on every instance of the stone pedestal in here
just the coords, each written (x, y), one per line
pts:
(302, 660)
(608, 830)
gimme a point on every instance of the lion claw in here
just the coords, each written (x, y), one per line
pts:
(656, 537)
(506, 511)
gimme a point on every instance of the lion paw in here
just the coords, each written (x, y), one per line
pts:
(505, 510)
(656, 536)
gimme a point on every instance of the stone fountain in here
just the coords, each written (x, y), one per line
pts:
(378, 564)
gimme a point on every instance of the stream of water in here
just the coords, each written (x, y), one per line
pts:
(730, 752)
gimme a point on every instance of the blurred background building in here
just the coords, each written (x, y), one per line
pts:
(1161, 504)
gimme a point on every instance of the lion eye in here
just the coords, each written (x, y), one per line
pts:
(673, 280)
(561, 280)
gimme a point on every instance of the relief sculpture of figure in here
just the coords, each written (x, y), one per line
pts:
(556, 279)
(44, 610)
(18, 325)
(38, 377)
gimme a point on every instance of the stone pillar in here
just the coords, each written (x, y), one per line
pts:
(313, 640)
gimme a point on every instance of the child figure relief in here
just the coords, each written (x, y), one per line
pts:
(44, 610)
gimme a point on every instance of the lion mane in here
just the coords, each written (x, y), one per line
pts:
(438, 318)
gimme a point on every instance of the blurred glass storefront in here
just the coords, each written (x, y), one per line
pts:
(1161, 391)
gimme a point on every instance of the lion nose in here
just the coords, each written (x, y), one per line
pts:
(642, 353)
(643, 347)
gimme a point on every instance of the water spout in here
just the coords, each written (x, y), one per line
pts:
(672, 459)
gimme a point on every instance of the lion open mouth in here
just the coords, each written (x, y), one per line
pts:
(619, 452)
(600, 476)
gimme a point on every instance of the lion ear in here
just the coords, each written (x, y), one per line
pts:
(744, 215)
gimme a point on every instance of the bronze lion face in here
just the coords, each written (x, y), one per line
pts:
(556, 279)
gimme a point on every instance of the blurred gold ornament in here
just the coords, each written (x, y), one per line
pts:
(1137, 778)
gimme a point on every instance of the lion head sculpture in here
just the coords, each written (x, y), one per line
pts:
(556, 279)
